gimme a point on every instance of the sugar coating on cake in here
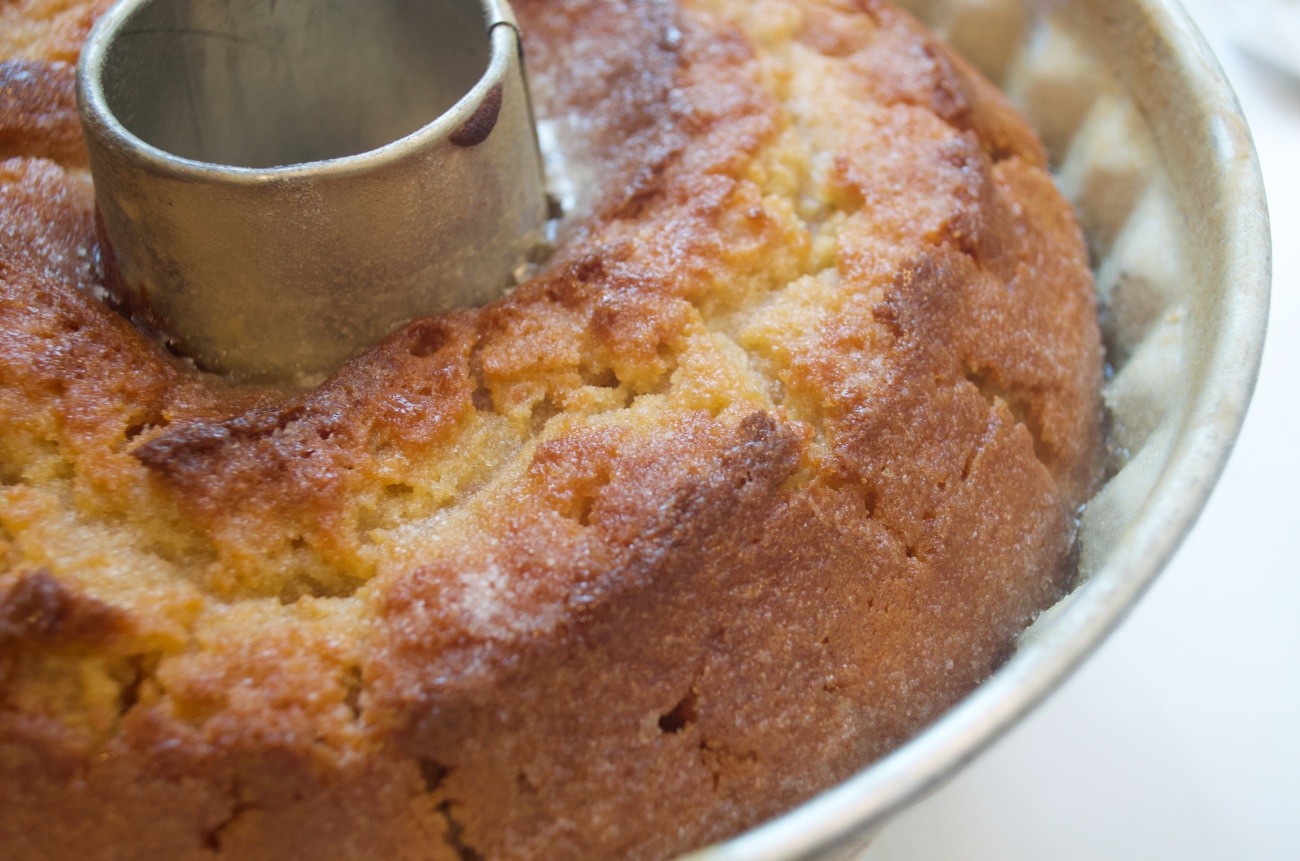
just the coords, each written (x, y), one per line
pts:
(761, 473)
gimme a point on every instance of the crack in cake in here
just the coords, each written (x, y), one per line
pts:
(762, 472)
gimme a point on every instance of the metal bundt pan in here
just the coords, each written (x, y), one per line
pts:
(1149, 144)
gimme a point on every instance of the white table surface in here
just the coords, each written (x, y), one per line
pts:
(1180, 739)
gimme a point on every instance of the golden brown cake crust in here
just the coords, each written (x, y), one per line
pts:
(760, 474)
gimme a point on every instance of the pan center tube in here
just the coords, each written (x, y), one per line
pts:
(281, 183)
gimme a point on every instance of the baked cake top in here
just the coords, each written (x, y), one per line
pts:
(761, 472)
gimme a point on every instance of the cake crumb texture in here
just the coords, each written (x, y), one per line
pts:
(761, 473)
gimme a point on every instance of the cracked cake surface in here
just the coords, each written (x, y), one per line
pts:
(762, 472)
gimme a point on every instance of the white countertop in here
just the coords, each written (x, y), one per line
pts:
(1180, 738)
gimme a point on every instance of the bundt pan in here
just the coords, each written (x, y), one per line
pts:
(1148, 142)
